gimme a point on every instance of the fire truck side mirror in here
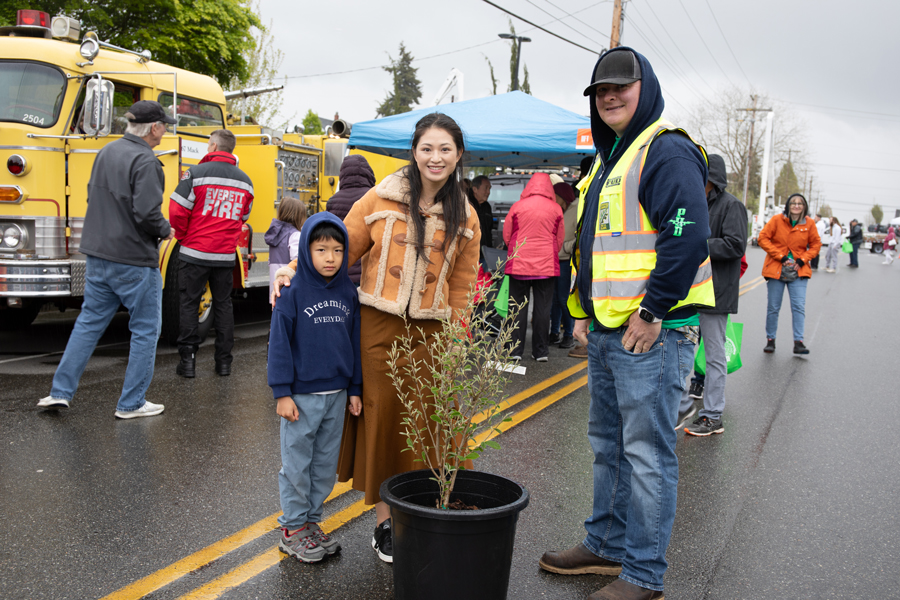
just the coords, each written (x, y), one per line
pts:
(97, 112)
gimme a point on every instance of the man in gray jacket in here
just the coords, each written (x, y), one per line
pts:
(727, 244)
(122, 229)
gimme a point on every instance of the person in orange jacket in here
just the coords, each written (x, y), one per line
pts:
(790, 240)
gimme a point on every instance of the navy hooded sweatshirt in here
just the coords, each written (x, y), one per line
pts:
(674, 177)
(314, 339)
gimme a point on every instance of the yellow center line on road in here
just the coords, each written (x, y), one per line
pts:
(164, 577)
(203, 557)
(269, 558)
(753, 282)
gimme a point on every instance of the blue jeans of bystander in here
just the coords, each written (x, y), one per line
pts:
(631, 428)
(107, 286)
(797, 292)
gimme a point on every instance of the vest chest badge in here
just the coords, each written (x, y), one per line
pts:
(613, 182)
(604, 216)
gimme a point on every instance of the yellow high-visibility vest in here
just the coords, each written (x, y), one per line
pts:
(624, 250)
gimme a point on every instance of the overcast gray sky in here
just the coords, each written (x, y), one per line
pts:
(833, 64)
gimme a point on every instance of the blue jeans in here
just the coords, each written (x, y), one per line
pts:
(309, 457)
(631, 428)
(107, 286)
(797, 293)
(854, 255)
(559, 313)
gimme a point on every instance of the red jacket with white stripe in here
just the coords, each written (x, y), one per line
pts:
(207, 209)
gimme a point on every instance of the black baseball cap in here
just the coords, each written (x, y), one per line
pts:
(148, 111)
(619, 67)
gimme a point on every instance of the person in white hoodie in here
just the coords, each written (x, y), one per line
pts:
(835, 239)
(824, 230)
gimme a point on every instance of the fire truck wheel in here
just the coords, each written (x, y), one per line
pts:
(171, 306)
(13, 319)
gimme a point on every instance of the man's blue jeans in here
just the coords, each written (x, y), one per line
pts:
(631, 428)
(559, 312)
(107, 285)
(854, 255)
(797, 292)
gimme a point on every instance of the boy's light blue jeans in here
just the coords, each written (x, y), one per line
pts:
(631, 428)
(309, 456)
(797, 292)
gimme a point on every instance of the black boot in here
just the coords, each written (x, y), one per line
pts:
(223, 369)
(770, 346)
(186, 368)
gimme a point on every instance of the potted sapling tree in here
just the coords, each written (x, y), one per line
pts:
(454, 527)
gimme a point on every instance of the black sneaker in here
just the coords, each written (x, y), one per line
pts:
(684, 416)
(705, 426)
(799, 348)
(383, 543)
(770, 346)
(696, 390)
(567, 342)
(555, 338)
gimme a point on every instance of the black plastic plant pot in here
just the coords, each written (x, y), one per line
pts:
(453, 554)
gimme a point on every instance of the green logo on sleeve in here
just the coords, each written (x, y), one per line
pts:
(680, 222)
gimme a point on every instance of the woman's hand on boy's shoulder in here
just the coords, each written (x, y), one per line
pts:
(355, 406)
(287, 409)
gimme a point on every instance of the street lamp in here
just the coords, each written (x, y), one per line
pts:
(519, 39)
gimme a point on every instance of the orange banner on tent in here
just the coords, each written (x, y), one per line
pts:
(585, 140)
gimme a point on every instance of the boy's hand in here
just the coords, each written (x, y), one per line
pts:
(287, 409)
(355, 405)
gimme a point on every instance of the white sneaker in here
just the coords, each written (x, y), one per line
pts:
(51, 402)
(147, 410)
(542, 359)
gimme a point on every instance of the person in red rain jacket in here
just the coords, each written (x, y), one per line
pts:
(534, 232)
(207, 209)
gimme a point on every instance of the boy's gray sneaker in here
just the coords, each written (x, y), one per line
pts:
(147, 410)
(51, 402)
(326, 541)
(705, 426)
(302, 545)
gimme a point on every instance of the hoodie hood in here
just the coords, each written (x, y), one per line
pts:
(718, 176)
(356, 173)
(226, 157)
(278, 231)
(787, 208)
(305, 269)
(649, 109)
(539, 185)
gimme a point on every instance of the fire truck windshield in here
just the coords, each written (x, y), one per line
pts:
(30, 93)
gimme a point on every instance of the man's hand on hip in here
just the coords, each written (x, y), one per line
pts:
(640, 335)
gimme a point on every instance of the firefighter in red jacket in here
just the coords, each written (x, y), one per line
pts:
(206, 211)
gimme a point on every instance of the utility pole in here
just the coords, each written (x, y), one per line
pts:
(616, 25)
(752, 112)
(765, 166)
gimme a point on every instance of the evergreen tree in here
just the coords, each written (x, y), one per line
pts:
(877, 213)
(825, 211)
(786, 184)
(526, 87)
(407, 87)
(493, 79)
(312, 125)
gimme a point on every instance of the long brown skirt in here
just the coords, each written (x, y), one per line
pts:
(372, 444)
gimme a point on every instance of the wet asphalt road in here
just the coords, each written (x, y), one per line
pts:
(797, 499)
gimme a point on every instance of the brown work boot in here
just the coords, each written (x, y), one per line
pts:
(578, 351)
(578, 561)
(622, 590)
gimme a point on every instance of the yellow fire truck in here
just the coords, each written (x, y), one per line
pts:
(61, 102)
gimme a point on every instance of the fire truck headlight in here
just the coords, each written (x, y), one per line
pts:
(13, 236)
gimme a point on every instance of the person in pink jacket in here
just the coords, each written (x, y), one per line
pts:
(534, 233)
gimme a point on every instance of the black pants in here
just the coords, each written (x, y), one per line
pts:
(814, 263)
(192, 281)
(542, 292)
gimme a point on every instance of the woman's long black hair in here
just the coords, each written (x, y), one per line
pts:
(450, 195)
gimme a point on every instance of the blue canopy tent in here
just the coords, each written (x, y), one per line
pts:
(508, 130)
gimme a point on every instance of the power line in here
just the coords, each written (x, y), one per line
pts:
(539, 27)
(853, 167)
(846, 110)
(700, 35)
(588, 25)
(728, 44)
(560, 20)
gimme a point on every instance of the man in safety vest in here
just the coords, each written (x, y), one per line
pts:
(642, 269)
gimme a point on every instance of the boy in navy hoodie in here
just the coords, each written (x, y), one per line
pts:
(313, 368)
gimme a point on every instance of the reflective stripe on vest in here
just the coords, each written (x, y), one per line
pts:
(624, 247)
